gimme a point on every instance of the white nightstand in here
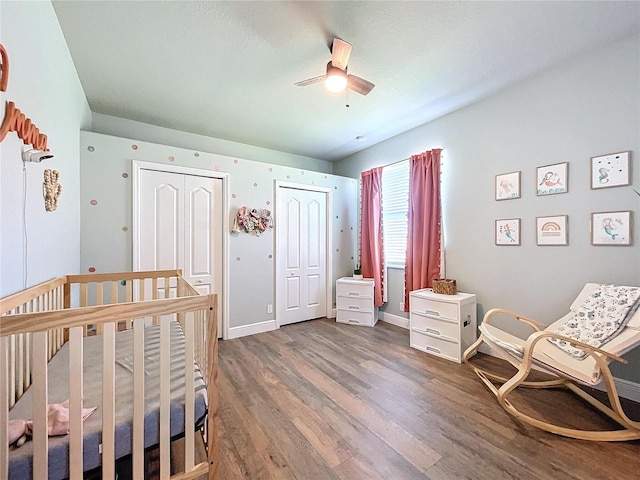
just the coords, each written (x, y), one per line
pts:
(354, 302)
(442, 325)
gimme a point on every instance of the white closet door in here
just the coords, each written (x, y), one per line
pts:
(302, 235)
(181, 227)
(161, 203)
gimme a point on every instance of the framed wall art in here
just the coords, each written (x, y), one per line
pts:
(611, 228)
(508, 186)
(552, 179)
(610, 170)
(508, 231)
(552, 230)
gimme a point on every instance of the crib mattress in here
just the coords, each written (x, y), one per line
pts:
(20, 459)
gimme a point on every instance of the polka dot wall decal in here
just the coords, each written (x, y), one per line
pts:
(288, 177)
(337, 249)
(325, 177)
(301, 172)
(255, 184)
(237, 259)
(235, 160)
(335, 187)
(134, 147)
(90, 148)
(351, 258)
(125, 229)
(93, 202)
(270, 256)
(341, 231)
(351, 228)
(216, 167)
(172, 158)
(196, 154)
(337, 216)
(125, 175)
(270, 169)
(313, 182)
(92, 269)
(233, 195)
(268, 202)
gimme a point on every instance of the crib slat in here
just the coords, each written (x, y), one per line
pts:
(114, 292)
(39, 407)
(129, 298)
(76, 395)
(189, 413)
(99, 301)
(138, 398)
(108, 400)
(20, 379)
(165, 368)
(4, 408)
(12, 370)
(154, 294)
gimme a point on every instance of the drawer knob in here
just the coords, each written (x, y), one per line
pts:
(433, 349)
(433, 331)
(432, 312)
(354, 294)
(354, 307)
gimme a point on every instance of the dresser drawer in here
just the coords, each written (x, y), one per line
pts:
(354, 290)
(356, 318)
(434, 326)
(356, 304)
(436, 346)
(442, 310)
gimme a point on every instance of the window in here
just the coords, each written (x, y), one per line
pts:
(395, 201)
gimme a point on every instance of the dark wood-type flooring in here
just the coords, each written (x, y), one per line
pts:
(321, 400)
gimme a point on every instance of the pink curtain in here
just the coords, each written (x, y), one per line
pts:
(371, 253)
(423, 238)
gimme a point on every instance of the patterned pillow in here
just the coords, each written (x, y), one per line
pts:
(601, 317)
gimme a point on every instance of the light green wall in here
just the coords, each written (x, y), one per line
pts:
(588, 107)
(106, 241)
(44, 85)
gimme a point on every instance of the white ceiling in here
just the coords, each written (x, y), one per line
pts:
(227, 69)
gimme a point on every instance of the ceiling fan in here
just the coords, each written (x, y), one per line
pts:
(336, 79)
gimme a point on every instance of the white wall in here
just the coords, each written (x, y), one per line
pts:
(44, 85)
(120, 127)
(578, 110)
(106, 244)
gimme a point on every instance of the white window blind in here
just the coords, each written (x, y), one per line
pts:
(395, 201)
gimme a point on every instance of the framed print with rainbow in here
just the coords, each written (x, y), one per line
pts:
(508, 231)
(611, 228)
(552, 230)
(611, 170)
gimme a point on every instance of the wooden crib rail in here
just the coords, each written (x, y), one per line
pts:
(197, 315)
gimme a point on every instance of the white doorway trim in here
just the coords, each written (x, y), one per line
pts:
(137, 167)
(279, 279)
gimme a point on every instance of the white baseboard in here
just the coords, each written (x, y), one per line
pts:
(394, 320)
(626, 389)
(244, 330)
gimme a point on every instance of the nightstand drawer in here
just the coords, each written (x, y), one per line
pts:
(434, 326)
(442, 310)
(356, 304)
(436, 346)
(354, 290)
(356, 318)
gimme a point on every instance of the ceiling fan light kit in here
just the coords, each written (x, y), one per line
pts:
(336, 78)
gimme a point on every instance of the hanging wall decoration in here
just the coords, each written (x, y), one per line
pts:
(52, 189)
(256, 220)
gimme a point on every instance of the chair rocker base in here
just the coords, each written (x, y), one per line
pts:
(630, 430)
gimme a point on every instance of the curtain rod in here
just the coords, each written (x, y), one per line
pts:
(405, 159)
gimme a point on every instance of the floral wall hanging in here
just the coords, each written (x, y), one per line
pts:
(252, 221)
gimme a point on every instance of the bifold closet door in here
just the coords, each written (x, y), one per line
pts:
(302, 240)
(181, 227)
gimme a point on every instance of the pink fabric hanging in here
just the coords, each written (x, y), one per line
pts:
(423, 237)
(371, 252)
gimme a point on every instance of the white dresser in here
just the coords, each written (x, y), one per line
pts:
(442, 325)
(354, 302)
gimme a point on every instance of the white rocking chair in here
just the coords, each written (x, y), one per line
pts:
(567, 370)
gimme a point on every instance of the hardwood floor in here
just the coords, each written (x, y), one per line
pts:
(321, 400)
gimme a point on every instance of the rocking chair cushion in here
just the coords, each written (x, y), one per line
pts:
(550, 358)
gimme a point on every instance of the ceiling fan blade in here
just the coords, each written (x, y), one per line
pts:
(359, 85)
(340, 52)
(310, 81)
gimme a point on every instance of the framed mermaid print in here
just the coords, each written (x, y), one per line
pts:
(611, 170)
(611, 228)
(552, 179)
(508, 231)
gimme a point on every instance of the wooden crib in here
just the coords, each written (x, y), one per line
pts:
(111, 312)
